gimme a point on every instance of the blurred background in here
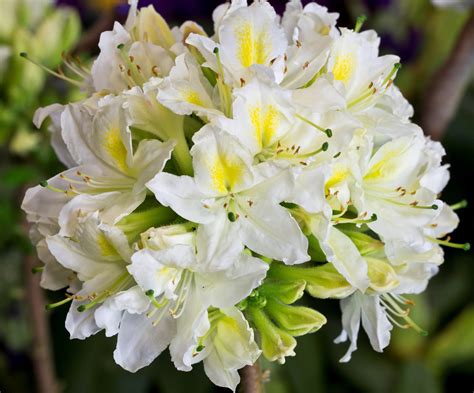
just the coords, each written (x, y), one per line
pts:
(436, 45)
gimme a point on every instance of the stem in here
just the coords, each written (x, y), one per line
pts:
(41, 346)
(251, 379)
(447, 87)
(182, 156)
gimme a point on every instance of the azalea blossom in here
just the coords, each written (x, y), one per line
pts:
(212, 181)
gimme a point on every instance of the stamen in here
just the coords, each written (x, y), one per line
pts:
(150, 295)
(327, 131)
(178, 308)
(114, 288)
(395, 68)
(50, 71)
(360, 22)
(396, 310)
(60, 303)
(224, 91)
(357, 220)
(460, 205)
(133, 73)
(447, 243)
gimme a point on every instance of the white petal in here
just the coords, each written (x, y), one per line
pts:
(225, 288)
(268, 229)
(182, 195)
(191, 325)
(309, 190)
(80, 325)
(344, 255)
(218, 242)
(351, 315)
(139, 342)
(108, 318)
(375, 322)
(150, 159)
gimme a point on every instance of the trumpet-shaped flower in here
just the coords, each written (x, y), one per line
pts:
(235, 201)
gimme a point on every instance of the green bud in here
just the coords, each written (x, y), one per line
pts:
(287, 292)
(296, 320)
(276, 344)
(256, 299)
(322, 281)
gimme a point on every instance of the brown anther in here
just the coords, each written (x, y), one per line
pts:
(129, 72)
(131, 58)
(242, 82)
(225, 205)
(298, 43)
(303, 163)
(154, 70)
(415, 203)
(297, 150)
(434, 225)
(285, 70)
(272, 61)
(139, 69)
(285, 57)
(305, 65)
(371, 84)
(250, 203)
(398, 189)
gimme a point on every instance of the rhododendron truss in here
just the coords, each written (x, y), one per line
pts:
(213, 181)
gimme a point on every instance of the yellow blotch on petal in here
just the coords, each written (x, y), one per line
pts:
(265, 124)
(339, 174)
(389, 164)
(115, 148)
(226, 173)
(193, 97)
(106, 249)
(253, 46)
(344, 67)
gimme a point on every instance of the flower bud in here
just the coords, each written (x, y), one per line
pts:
(150, 26)
(322, 281)
(168, 236)
(296, 320)
(287, 292)
(276, 344)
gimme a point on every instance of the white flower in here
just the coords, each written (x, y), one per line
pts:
(231, 194)
(248, 35)
(98, 254)
(182, 288)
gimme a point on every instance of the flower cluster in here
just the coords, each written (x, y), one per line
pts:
(212, 181)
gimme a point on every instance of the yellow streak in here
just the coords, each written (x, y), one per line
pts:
(193, 98)
(265, 124)
(115, 148)
(106, 249)
(226, 172)
(253, 47)
(344, 67)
